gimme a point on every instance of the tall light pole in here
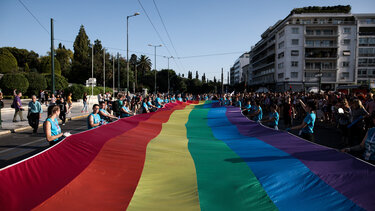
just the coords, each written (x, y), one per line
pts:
(170, 57)
(155, 46)
(127, 47)
(104, 69)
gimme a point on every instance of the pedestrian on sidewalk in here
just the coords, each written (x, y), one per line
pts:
(34, 113)
(84, 100)
(69, 102)
(53, 100)
(63, 110)
(17, 105)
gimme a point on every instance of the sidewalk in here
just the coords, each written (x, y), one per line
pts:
(8, 126)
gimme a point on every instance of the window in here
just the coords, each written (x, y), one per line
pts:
(280, 55)
(328, 32)
(294, 74)
(294, 53)
(346, 42)
(309, 32)
(345, 75)
(345, 64)
(346, 53)
(280, 65)
(368, 52)
(347, 30)
(281, 45)
(281, 34)
(294, 41)
(295, 30)
(294, 63)
(362, 72)
(280, 75)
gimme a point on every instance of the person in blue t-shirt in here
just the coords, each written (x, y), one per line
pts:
(145, 108)
(238, 103)
(247, 108)
(159, 102)
(104, 114)
(125, 111)
(307, 126)
(367, 144)
(179, 98)
(94, 120)
(51, 126)
(273, 120)
(257, 113)
(151, 107)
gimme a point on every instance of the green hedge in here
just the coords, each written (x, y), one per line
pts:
(8, 62)
(60, 82)
(37, 82)
(12, 81)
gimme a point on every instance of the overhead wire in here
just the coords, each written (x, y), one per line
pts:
(157, 32)
(37, 20)
(169, 37)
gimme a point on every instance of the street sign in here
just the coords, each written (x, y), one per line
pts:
(91, 82)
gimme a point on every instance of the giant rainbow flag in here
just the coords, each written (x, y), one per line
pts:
(188, 156)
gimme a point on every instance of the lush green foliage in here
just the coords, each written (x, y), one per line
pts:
(315, 9)
(12, 81)
(8, 62)
(81, 66)
(37, 82)
(65, 57)
(46, 67)
(60, 82)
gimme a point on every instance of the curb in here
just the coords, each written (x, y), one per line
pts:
(40, 125)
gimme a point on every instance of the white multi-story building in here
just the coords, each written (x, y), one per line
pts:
(314, 49)
(236, 72)
(366, 48)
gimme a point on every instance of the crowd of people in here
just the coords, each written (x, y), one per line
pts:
(352, 114)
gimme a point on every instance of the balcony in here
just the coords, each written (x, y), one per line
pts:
(326, 76)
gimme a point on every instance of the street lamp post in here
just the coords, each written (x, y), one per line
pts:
(155, 46)
(127, 47)
(168, 57)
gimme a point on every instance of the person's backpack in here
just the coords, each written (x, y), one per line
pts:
(13, 104)
(115, 106)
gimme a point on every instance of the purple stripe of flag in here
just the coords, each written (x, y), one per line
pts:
(351, 177)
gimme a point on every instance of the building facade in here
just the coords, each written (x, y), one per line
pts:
(315, 50)
(236, 72)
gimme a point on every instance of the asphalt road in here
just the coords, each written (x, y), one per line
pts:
(18, 146)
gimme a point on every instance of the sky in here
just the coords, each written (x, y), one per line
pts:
(198, 30)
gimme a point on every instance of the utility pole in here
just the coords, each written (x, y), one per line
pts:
(168, 70)
(155, 46)
(92, 70)
(104, 69)
(113, 75)
(118, 72)
(52, 58)
(222, 81)
(227, 81)
(127, 47)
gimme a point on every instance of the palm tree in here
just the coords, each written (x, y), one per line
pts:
(144, 65)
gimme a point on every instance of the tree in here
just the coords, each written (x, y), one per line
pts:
(8, 62)
(11, 81)
(144, 67)
(46, 67)
(37, 82)
(196, 75)
(81, 65)
(204, 78)
(214, 79)
(65, 57)
(190, 75)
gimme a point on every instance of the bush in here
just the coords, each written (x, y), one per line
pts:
(77, 91)
(8, 62)
(37, 82)
(60, 82)
(12, 81)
